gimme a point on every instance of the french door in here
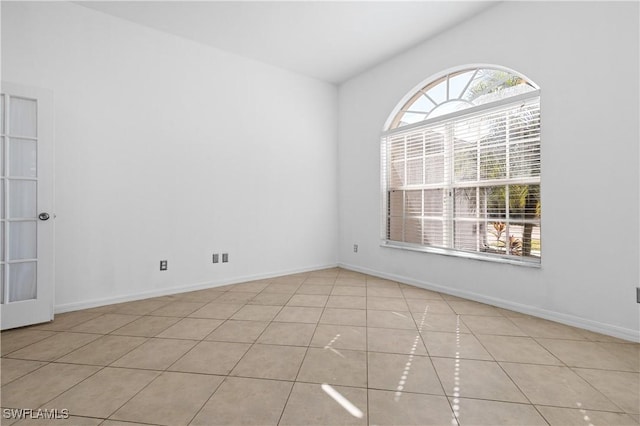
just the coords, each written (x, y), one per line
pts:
(26, 215)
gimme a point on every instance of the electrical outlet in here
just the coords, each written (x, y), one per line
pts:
(355, 248)
(216, 258)
(225, 257)
(163, 265)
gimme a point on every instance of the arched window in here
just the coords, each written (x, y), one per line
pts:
(461, 167)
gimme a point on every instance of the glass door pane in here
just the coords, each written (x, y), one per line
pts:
(20, 181)
(23, 117)
(22, 281)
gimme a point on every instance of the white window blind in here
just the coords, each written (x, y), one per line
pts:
(467, 182)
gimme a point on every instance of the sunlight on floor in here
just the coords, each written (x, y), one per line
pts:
(344, 402)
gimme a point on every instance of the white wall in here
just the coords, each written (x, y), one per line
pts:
(585, 58)
(167, 149)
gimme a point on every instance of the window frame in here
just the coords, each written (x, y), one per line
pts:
(391, 128)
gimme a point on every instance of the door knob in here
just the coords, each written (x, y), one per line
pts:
(43, 216)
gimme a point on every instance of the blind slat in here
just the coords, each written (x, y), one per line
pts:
(470, 183)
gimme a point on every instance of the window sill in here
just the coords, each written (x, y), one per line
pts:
(486, 257)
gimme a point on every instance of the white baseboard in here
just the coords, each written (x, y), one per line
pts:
(68, 307)
(574, 321)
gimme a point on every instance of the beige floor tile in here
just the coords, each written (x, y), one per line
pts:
(452, 298)
(385, 408)
(387, 304)
(334, 366)
(313, 289)
(393, 292)
(476, 379)
(139, 307)
(406, 373)
(155, 354)
(603, 369)
(12, 369)
(390, 319)
(421, 320)
(627, 354)
(251, 286)
(105, 323)
(450, 345)
(623, 388)
(557, 386)
(285, 288)
(238, 331)
(576, 417)
(199, 296)
(347, 302)
(586, 354)
(340, 337)
(442, 322)
(103, 393)
(430, 306)
(13, 340)
(417, 293)
(216, 310)
(291, 280)
(480, 412)
(256, 313)
(103, 351)
(517, 349)
(171, 399)
(323, 281)
(270, 362)
(309, 404)
(54, 347)
(44, 384)
(375, 282)
(351, 282)
(235, 297)
(512, 314)
(299, 314)
(287, 333)
(12, 420)
(146, 326)
(60, 421)
(191, 328)
(240, 401)
(502, 326)
(211, 358)
(319, 281)
(349, 291)
(68, 320)
(357, 317)
(347, 275)
(473, 308)
(273, 299)
(354, 275)
(311, 300)
(395, 341)
(537, 327)
(179, 308)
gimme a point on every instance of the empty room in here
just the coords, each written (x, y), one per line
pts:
(320, 213)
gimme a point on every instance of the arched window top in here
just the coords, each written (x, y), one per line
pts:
(459, 90)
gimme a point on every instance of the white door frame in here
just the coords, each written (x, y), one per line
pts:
(40, 309)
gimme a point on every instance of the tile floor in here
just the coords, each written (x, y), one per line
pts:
(322, 348)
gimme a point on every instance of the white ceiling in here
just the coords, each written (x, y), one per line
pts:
(328, 40)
